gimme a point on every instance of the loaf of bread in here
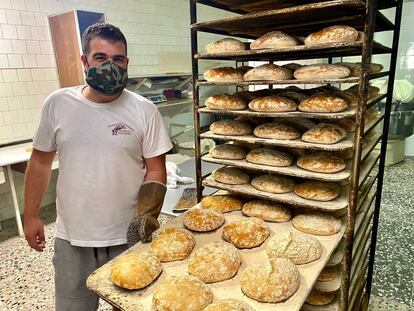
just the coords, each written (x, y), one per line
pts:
(227, 151)
(296, 96)
(321, 162)
(225, 45)
(230, 176)
(230, 127)
(292, 66)
(178, 293)
(273, 183)
(299, 248)
(171, 244)
(350, 97)
(328, 274)
(317, 223)
(324, 133)
(318, 298)
(215, 262)
(135, 270)
(269, 156)
(356, 68)
(274, 40)
(372, 91)
(267, 211)
(222, 203)
(247, 96)
(270, 282)
(229, 305)
(302, 124)
(226, 102)
(321, 72)
(323, 102)
(338, 33)
(276, 130)
(245, 145)
(273, 103)
(268, 72)
(202, 220)
(246, 233)
(223, 74)
(317, 190)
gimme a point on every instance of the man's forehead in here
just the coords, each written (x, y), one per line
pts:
(102, 45)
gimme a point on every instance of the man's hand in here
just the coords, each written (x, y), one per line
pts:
(34, 232)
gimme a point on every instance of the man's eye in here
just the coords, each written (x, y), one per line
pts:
(119, 60)
(99, 58)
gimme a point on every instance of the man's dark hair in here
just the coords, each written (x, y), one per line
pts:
(102, 30)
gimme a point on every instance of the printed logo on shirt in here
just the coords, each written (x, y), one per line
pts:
(121, 129)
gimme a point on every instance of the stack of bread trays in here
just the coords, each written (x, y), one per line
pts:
(297, 134)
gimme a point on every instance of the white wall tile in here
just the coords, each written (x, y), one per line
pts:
(5, 4)
(15, 103)
(24, 32)
(24, 75)
(18, 4)
(24, 115)
(6, 46)
(15, 60)
(3, 104)
(13, 17)
(41, 20)
(33, 47)
(45, 5)
(3, 19)
(20, 129)
(9, 31)
(10, 117)
(1, 77)
(19, 88)
(1, 122)
(10, 75)
(28, 18)
(51, 74)
(19, 46)
(29, 61)
(42, 61)
(32, 5)
(29, 102)
(46, 47)
(33, 88)
(48, 87)
(38, 74)
(6, 90)
(6, 132)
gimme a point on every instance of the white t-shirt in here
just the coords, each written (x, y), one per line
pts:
(101, 149)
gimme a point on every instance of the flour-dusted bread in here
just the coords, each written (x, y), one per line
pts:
(302, 124)
(372, 91)
(324, 133)
(292, 66)
(248, 96)
(317, 190)
(246, 233)
(230, 176)
(267, 210)
(273, 103)
(332, 34)
(299, 248)
(223, 74)
(274, 281)
(222, 203)
(231, 127)
(135, 270)
(348, 124)
(350, 97)
(226, 102)
(229, 305)
(328, 274)
(321, 162)
(273, 183)
(356, 68)
(317, 223)
(274, 40)
(269, 156)
(171, 244)
(276, 130)
(318, 298)
(245, 145)
(202, 220)
(215, 262)
(225, 45)
(227, 151)
(321, 72)
(323, 102)
(268, 72)
(346, 154)
(296, 96)
(178, 293)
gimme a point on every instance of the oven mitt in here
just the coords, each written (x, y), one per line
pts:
(148, 208)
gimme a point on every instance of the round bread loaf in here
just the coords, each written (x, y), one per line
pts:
(276, 130)
(248, 96)
(245, 145)
(267, 211)
(321, 72)
(317, 223)
(350, 97)
(317, 298)
(230, 127)
(273, 103)
(172, 244)
(269, 156)
(272, 282)
(135, 270)
(292, 66)
(230, 176)
(299, 248)
(222, 203)
(324, 133)
(229, 305)
(225, 45)
(345, 154)
(356, 68)
(348, 124)
(321, 162)
(202, 220)
(178, 293)
(228, 151)
(328, 274)
(246, 233)
(317, 190)
(268, 72)
(226, 102)
(274, 40)
(339, 33)
(296, 96)
(223, 74)
(372, 91)
(215, 262)
(273, 183)
(302, 124)
(323, 102)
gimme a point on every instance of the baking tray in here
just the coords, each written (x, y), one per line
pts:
(337, 256)
(333, 306)
(140, 300)
(330, 286)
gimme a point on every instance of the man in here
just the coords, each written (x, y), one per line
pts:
(111, 145)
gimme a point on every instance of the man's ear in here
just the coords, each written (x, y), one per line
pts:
(84, 60)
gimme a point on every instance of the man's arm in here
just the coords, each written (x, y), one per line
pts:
(156, 169)
(35, 184)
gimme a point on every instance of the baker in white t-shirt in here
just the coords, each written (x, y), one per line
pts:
(111, 145)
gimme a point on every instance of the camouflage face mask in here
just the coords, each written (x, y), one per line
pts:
(107, 78)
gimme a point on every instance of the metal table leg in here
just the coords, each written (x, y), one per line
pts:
(15, 201)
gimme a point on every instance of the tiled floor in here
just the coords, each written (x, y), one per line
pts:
(26, 277)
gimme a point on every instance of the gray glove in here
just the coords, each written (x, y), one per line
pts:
(148, 208)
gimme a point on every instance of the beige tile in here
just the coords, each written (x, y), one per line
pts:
(1, 123)
(24, 75)
(20, 129)
(51, 74)
(9, 31)
(13, 17)
(19, 88)
(19, 46)
(3, 104)
(46, 47)
(15, 103)
(10, 117)
(10, 75)
(39, 33)
(28, 18)
(33, 46)
(6, 46)
(6, 132)
(6, 90)
(5, 4)
(41, 20)
(3, 19)
(32, 5)
(29, 61)
(45, 5)
(24, 116)
(18, 4)
(15, 61)
(33, 88)
(43, 61)
(24, 32)
(38, 74)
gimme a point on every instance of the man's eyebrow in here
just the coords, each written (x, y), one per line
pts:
(119, 56)
(99, 54)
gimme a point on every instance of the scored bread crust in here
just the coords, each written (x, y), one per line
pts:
(268, 72)
(273, 183)
(276, 130)
(227, 151)
(323, 102)
(202, 220)
(222, 203)
(274, 40)
(324, 133)
(225, 45)
(321, 162)
(246, 233)
(226, 102)
(337, 33)
(321, 72)
(269, 156)
(231, 127)
(273, 103)
(267, 211)
(317, 223)
(317, 190)
(223, 74)
(328, 274)
(230, 176)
